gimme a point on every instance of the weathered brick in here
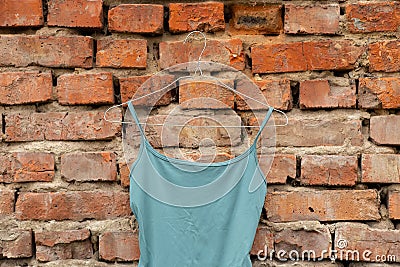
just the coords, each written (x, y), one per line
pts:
(312, 19)
(311, 131)
(62, 245)
(303, 56)
(329, 170)
(48, 51)
(277, 94)
(90, 166)
(384, 129)
(282, 167)
(126, 53)
(323, 205)
(88, 125)
(124, 173)
(76, 13)
(136, 18)
(229, 52)
(129, 88)
(378, 93)
(7, 198)
(367, 242)
(382, 54)
(119, 246)
(365, 17)
(315, 240)
(16, 243)
(199, 94)
(338, 93)
(16, 13)
(266, 19)
(186, 17)
(393, 204)
(264, 239)
(25, 87)
(77, 205)
(380, 168)
(85, 89)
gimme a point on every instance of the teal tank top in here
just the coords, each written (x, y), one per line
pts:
(193, 214)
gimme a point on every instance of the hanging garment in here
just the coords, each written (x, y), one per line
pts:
(174, 229)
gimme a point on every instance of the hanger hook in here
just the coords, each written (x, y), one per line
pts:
(202, 51)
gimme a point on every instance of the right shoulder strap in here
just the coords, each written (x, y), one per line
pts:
(135, 117)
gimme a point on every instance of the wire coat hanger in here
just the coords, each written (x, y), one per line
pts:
(198, 69)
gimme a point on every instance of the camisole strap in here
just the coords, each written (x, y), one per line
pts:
(135, 117)
(264, 122)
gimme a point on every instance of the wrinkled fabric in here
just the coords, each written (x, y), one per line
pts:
(216, 234)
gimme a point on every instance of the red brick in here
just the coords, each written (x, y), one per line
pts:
(311, 131)
(393, 204)
(87, 125)
(199, 94)
(186, 17)
(136, 18)
(62, 245)
(124, 173)
(25, 87)
(147, 84)
(16, 243)
(27, 167)
(303, 56)
(119, 246)
(277, 93)
(17, 13)
(380, 168)
(246, 19)
(378, 93)
(368, 242)
(121, 53)
(315, 240)
(312, 19)
(264, 239)
(384, 130)
(329, 170)
(322, 205)
(382, 56)
(229, 52)
(90, 166)
(7, 198)
(282, 167)
(327, 94)
(48, 51)
(76, 13)
(78, 205)
(85, 89)
(373, 17)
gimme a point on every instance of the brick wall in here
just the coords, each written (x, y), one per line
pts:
(333, 67)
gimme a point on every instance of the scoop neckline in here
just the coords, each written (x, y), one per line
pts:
(193, 163)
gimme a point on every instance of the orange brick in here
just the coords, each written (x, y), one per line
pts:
(393, 204)
(282, 167)
(366, 17)
(7, 198)
(344, 205)
(121, 246)
(72, 205)
(85, 89)
(207, 16)
(25, 87)
(17, 13)
(312, 19)
(47, 51)
(382, 54)
(136, 18)
(76, 13)
(383, 92)
(265, 19)
(121, 53)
